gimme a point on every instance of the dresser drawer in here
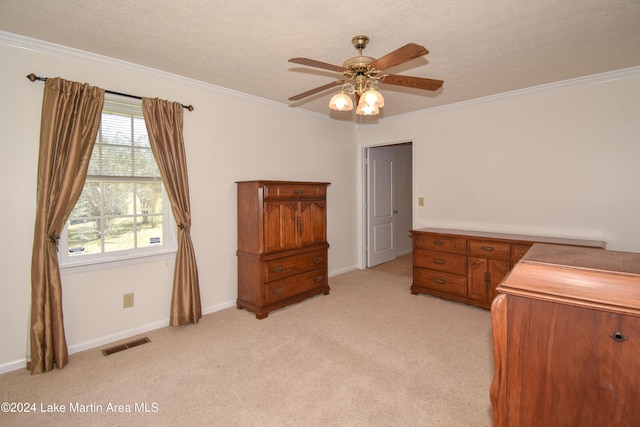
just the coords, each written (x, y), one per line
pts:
(287, 191)
(441, 261)
(438, 243)
(442, 282)
(288, 266)
(488, 248)
(286, 288)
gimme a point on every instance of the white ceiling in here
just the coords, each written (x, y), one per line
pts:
(478, 47)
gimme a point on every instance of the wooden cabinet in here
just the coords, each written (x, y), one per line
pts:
(566, 331)
(282, 243)
(482, 273)
(467, 266)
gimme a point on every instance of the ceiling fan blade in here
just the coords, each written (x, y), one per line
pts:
(316, 90)
(405, 53)
(415, 82)
(317, 64)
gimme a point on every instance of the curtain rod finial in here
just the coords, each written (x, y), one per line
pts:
(190, 107)
(33, 78)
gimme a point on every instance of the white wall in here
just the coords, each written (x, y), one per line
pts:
(561, 160)
(229, 137)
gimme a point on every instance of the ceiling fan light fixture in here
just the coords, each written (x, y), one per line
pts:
(372, 97)
(341, 102)
(362, 74)
(365, 109)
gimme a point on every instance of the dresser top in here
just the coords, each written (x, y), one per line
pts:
(514, 237)
(585, 258)
(276, 182)
(594, 278)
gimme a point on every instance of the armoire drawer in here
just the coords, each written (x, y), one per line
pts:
(442, 282)
(441, 261)
(287, 191)
(291, 286)
(289, 266)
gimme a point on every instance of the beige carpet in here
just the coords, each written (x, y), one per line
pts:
(368, 354)
(402, 265)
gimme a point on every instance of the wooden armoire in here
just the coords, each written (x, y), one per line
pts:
(566, 330)
(282, 243)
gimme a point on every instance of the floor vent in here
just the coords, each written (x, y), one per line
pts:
(127, 345)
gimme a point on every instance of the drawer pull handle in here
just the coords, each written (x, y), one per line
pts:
(438, 261)
(438, 243)
(299, 191)
(317, 260)
(317, 279)
(487, 248)
(439, 281)
(278, 291)
(279, 269)
(618, 337)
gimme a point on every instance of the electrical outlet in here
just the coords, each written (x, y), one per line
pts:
(420, 201)
(127, 300)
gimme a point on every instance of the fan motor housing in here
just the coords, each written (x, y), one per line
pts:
(358, 63)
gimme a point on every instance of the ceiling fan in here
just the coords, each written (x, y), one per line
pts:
(362, 74)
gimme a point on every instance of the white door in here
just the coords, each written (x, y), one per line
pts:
(381, 230)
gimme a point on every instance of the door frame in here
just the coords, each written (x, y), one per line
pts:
(365, 194)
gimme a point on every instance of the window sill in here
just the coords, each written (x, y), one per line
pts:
(103, 264)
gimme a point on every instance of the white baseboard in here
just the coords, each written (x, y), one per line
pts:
(218, 307)
(342, 271)
(13, 366)
(107, 339)
(88, 345)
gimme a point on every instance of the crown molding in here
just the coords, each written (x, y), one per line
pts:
(585, 80)
(41, 46)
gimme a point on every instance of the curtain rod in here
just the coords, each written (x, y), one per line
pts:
(33, 78)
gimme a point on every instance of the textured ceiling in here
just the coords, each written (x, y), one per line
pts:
(478, 47)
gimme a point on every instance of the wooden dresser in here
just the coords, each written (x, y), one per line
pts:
(282, 243)
(566, 332)
(466, 266)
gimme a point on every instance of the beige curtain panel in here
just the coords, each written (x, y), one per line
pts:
(164, 125)
(70, 121)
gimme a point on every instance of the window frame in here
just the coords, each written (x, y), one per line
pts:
(130, 256)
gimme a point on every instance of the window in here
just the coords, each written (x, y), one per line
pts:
(123, 211)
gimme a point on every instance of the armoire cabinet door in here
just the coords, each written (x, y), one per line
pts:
(312, 222)
(280, 226)
(290, 225)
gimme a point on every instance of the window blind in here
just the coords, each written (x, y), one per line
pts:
(122, 146)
